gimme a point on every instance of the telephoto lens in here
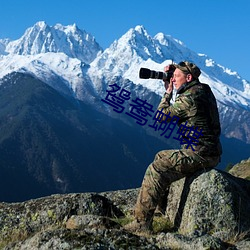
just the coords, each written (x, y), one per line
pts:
(145, 73)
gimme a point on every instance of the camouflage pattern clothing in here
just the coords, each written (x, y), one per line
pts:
(195, 105)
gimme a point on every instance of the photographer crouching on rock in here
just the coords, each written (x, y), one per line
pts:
(196, 109)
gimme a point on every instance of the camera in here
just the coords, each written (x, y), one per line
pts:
(145, 73)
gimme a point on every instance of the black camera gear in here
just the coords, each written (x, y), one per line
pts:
(146, 73)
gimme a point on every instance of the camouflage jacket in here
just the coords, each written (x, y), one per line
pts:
(196, 108)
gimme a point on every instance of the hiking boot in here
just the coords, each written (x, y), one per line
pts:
(140, 227)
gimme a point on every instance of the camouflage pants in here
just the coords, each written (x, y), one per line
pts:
(167, 167)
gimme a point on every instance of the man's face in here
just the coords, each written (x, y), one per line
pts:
(179, 78)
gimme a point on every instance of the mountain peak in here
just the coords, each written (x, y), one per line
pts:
(42, 38)
(166, 40)
(69, 28)
(140, 29)
(41, 24)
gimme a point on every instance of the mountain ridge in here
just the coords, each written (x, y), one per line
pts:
(136, 48)
(125, 56)
(54, 134)
(55, 144)
(42, 38)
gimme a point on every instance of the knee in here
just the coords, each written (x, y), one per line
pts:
(160, 155)
(152, 172)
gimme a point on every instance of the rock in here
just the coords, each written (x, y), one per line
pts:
(243, 245)
(90, 221)
(209, 210)
(124, 199)
(212, 202)
(241, 169)
(20, 220)
(63, 239)
(178, 241)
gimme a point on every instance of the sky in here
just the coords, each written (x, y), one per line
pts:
(218, 28)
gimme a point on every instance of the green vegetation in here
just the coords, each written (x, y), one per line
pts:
(160, 223)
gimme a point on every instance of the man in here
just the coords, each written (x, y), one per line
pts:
(196, 109)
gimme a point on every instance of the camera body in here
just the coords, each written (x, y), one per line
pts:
(146, 73)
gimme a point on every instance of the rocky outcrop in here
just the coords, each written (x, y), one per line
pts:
(209, 210)
(241, 169)
(210, 202)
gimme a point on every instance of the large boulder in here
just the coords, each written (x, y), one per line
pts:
(19, 221)
(210, 202)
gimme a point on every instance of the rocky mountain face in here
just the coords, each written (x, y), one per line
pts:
(51, 143)
(58, 135)
(209, 210)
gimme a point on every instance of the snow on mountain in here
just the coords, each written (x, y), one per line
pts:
(57, 55)
(137, 49)
(126, 55)
(63, 73)
(42, 38)
(71, 61)
(71, 49)
(3, 43)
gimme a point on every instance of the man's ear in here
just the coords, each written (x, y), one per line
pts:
(189, 77)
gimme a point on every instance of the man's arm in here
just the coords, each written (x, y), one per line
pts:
(183, 106)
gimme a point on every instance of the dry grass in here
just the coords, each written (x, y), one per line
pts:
(238, 237)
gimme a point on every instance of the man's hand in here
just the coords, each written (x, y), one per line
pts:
(168, 85)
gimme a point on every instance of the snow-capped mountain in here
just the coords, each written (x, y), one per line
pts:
(50, 137)
(52, 53)
(124, 58)
(64, 73)
(71, 61)
(137, 49)
(41, 38)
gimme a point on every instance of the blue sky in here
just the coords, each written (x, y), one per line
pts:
(218, 28)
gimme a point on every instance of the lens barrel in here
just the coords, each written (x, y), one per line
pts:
(145, 73)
